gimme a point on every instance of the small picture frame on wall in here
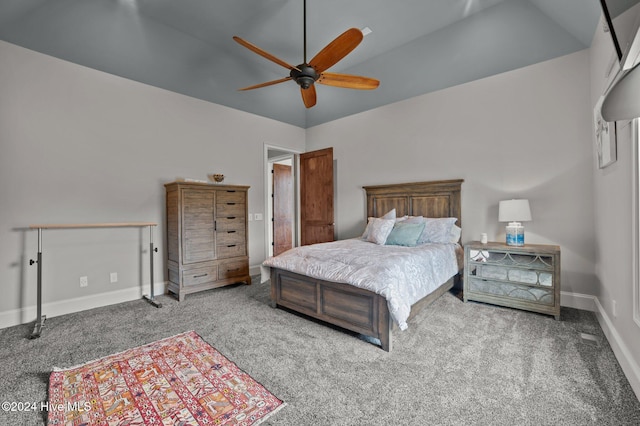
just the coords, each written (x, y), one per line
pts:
(605, 133)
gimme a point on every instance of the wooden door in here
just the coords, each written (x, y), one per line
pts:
(282, 208)
(316, 197)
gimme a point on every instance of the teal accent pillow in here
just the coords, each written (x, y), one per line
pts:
(405, 234)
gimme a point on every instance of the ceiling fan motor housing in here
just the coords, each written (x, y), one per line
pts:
(305, 75)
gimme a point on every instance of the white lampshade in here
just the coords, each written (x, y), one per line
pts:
(514, 211)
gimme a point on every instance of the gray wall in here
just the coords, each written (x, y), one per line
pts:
(615, 215)
(82, 146)
(521, 134)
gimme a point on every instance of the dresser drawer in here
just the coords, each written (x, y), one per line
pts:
(225, 238)
(231, 250)
(237, 197)
(236, 268)
(230, 224)
(200, 275)
(230, 210)
(517, 275)
(509, 291)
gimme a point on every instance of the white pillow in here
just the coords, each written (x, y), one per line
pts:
(455, 234)
(437, 230)
(391, 214)
(411, 219)
(379, 230)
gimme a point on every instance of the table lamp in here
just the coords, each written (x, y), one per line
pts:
(514, 212)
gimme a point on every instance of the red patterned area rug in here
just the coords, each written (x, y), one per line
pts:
(180, 380)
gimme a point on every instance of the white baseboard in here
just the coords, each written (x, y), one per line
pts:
(584, 302)
(62, 307)
(621, 351)
(254, 270)
(623, 354)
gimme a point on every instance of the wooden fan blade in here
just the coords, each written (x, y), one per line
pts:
(309, 96)
(264, 54)
(348, 81)
(268, 83)
(336, 50)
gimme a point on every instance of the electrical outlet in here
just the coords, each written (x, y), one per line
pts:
(84, 281)
(258, 216)
(615, 308)
(113, 277)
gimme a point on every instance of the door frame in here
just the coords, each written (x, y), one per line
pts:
(285, 153)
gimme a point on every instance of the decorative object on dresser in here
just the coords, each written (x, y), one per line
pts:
(216, 177)
(206, 236)
(514, 212)
(525, 277)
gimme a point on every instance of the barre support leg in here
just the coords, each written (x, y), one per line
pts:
(151, 298)
(37, 329)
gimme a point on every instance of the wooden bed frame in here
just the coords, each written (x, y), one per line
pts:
(357, 309)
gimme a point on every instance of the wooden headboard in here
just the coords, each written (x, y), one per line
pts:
(439, 198)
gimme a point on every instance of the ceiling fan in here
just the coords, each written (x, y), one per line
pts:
(308, 73)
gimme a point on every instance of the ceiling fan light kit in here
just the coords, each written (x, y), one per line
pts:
(308, 73)
(305, 75)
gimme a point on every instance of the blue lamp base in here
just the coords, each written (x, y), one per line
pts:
(515, 234)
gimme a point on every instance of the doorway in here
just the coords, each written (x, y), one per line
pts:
(281, 191)
(299, 201)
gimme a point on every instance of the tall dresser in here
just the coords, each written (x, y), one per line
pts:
(206, 236)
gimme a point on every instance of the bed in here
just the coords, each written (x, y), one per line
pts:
(359, 309)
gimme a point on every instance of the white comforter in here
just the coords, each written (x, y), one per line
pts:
(403, 275)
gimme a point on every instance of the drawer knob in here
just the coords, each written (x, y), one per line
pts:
(200, 276)
(231, 245)
(231, 232)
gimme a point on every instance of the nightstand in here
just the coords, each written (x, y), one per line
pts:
(526, 277)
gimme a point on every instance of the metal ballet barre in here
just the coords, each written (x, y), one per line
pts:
(37, 330)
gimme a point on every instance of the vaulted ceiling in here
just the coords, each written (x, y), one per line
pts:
(186, 46)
